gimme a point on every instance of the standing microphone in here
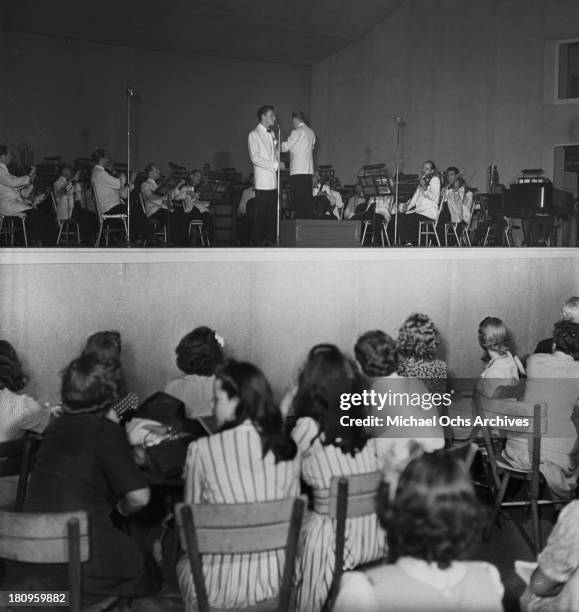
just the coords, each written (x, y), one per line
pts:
(399, 119)
(130, 92)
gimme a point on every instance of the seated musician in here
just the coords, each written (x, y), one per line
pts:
(451, 174)
(194, 208)
(326, 201)
(109, 189)
(456, 207)
(156, 206)
(356, 203)
(423, 206)
(17, 197)
(68, 197)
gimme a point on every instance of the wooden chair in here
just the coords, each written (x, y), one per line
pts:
(48, 538)
(16, 458)
(105, 219)
(63, 225)
(238, 529)
(427, 229)
(349, 497)
(501, 472)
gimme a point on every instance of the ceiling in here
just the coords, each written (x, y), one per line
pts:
(286, 31)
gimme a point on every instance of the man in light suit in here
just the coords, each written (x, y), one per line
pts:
(262, 151)
(300, 145)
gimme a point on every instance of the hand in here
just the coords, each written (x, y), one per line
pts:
(281, 165)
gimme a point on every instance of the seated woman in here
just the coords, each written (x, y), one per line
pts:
(376, 352)
(327, 202)
(19, 413)
(107, 345)
(199, 354)
(251, 459)
(502, 368)
(554, 585)
(418, 345)
(433, 526)
(328, 451)
(554, 379)
(85, 463)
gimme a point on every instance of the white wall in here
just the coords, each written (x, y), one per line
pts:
(270, 305)
(66, 97)
(474, 81)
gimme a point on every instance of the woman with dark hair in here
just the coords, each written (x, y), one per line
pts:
(199, 354)
(553, 379)
(377, 355)
(19, 413)
(85, 463)
(433, 526)
(330, 450)
(418, 346)
(251, 459)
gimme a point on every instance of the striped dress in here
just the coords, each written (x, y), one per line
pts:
(365, 539)
(228, 468)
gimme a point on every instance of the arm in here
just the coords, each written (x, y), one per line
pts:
(256, 158)
(104, 179)
(193, 474)
(543, 586)
(133, 501)
(16, 182)
(291, 141)
(433, 190)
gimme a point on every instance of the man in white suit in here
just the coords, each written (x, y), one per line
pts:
(262, 151)
(300, 145)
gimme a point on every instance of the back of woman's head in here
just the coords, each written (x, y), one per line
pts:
(493, 335)
(435, 515)
(91, 384)
(566, 338)
(249, 385)
(325, 377)
(11, 375)
(105, 344)
(377, 354)
(199, 352)
(418, 337)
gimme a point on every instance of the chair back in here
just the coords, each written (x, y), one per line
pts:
(240, 529)
(142, 201)
(524, 419)
(48, 538)
(97, 202)
(349, 497)
(16, 458)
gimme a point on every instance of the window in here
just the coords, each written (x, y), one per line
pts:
(567, 58)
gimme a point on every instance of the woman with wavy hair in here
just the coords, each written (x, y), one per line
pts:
(85, 462)
(433, 526)
(553, 379)
(19, 413)
(250, 459)
(199, 354)
(418, 346)
(330, 450)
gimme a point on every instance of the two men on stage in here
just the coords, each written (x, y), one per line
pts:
(263, 151)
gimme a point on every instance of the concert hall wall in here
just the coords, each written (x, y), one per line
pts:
(66, 97)
(473, 81)
(270, 306)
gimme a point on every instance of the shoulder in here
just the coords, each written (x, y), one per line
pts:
(305, 430)
(356, 593)
(481, 570)
(569, 516)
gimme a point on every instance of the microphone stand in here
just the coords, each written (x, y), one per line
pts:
(130, 93)
(398, 125)
(278, 208)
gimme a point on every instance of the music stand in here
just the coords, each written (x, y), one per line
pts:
(375, 183)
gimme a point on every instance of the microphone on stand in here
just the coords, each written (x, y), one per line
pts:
(130, 92)
(399, 119)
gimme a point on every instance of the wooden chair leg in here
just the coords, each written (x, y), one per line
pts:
(497, 507)
(537, 539)
(23, 219)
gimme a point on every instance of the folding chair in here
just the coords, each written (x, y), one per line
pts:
(159, 233)
(16, 458)
(451, 228)
(106, 219)
(507, 233)
(427, 229)
(349, 497)
(241, 529)
(201, 230)
(8, 229)
(63, 225)
(536, 416)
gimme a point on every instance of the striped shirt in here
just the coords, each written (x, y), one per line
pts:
(365, 539)
(228, 468)
(18, 414)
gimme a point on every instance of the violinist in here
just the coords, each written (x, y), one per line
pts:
(194, 208)
(17, 197)
(423, 206)
(109, 188)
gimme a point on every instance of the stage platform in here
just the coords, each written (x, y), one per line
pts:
(271, 305)
(321, 233)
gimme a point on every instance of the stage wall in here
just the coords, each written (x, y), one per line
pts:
(271, 305)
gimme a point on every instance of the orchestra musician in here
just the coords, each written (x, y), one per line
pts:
(262, 146)
(194, 208)
(17, 197)
(300, 145)
(423, 206)
(68, 197)
(109, 188)
(457, 202)
(326, 201)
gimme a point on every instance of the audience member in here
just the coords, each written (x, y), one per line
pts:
(569, 312)
(199, 354)
(418, 345)
(251, 459)
(433, 527)
(327, 451)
